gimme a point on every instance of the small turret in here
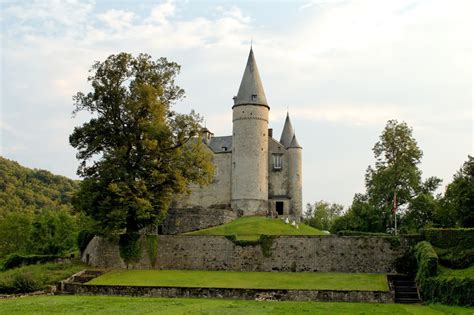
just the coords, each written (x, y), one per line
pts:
(288, 133)
(295, 180)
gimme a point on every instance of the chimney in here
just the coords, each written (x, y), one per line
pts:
(270, 132)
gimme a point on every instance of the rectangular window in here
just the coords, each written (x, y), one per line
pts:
(277, 165)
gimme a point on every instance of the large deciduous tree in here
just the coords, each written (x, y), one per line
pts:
(395, 173)
(136, 153)
(458, 201)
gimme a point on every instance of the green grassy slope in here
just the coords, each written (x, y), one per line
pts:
(133, 305)
(235, 279)
(252, 227)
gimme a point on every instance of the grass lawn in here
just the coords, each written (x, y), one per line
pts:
(255, 280)
(252, 227)
(37, 276)
(132, 305)
(456, 273)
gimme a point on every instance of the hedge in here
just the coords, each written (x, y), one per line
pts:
(448, 290)
(427, 261)
(16, 260)
(448, 238)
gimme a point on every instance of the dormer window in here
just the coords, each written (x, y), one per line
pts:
(224, 149)
(254, 97)
(277, 161)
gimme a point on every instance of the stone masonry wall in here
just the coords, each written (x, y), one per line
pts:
(287, 253)
(192, 219)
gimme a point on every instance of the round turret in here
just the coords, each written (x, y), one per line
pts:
(250, 144)
(295, 180)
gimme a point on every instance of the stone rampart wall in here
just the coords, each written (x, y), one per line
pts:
(285, 253)
(192, 219)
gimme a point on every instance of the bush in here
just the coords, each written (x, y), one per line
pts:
(83, 239)
(449, 238)
(427, 261)
(15, 260)
(265, 242)
(152, 248)
(448, 290)
(130, 249)
(24, 283)
(456, 258)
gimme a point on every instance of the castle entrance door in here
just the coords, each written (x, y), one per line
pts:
(279, 207)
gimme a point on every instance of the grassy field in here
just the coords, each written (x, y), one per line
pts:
(36, 277)
(255, 280)
(130, 305)
(252, 227)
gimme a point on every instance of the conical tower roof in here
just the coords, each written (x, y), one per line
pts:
(294, 143)
(287, 133)
(251, 88)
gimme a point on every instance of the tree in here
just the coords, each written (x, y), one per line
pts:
(458, 199)
(323, 214)
(136, 153)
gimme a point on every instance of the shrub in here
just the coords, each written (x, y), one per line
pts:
(449, 290)
(152, 248)
(83, 239)
(427, 261)
(24, 283)
(448, 238)
(265, 242)
(130, 249)
(456, 258)
(16, 260)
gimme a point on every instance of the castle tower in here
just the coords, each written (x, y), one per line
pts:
(250, 144)
(295, 183)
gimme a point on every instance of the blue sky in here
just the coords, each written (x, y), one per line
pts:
(343, 68)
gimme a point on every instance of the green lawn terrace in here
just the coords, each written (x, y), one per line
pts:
(144, 305)
(244, 280)
(251, 227)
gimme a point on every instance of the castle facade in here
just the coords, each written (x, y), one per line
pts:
(255, 174)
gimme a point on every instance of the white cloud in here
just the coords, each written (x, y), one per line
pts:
(117, 19)
(162, 12)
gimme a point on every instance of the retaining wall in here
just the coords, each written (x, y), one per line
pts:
(286, 253)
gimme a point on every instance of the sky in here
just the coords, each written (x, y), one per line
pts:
(341, 68)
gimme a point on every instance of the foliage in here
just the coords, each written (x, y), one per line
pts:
(455, 247)
(130, 247)
(395, 176)
(427, 261)
(449, 238)
(36, 277)
(450, 287)
(83, 239)
(15, 260)
(152, 248)
(241, 279)
(34, 211)
(360, 233)
(54, 232)
(136, 153)
(459, 196)
(251, 227)
(75, 304)
(322, 214)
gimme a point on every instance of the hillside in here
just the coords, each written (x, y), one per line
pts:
(35, 211)
(22, 188)
(254, 226)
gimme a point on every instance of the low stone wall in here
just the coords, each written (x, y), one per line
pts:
(284, 253)
(192, 219)
(243, 294)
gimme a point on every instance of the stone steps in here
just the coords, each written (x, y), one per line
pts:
(405, 289)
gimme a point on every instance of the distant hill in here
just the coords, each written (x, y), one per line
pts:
(24, 189)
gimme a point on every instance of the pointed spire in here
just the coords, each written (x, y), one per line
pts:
(288, 132)
(294, 143)
(251, 88)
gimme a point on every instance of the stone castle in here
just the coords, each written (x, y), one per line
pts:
(255, 174)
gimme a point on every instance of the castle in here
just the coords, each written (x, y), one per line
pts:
(254, 173)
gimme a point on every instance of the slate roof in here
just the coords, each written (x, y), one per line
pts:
(218, 144)
(288, 133)
(294, 143)
(251, 88)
